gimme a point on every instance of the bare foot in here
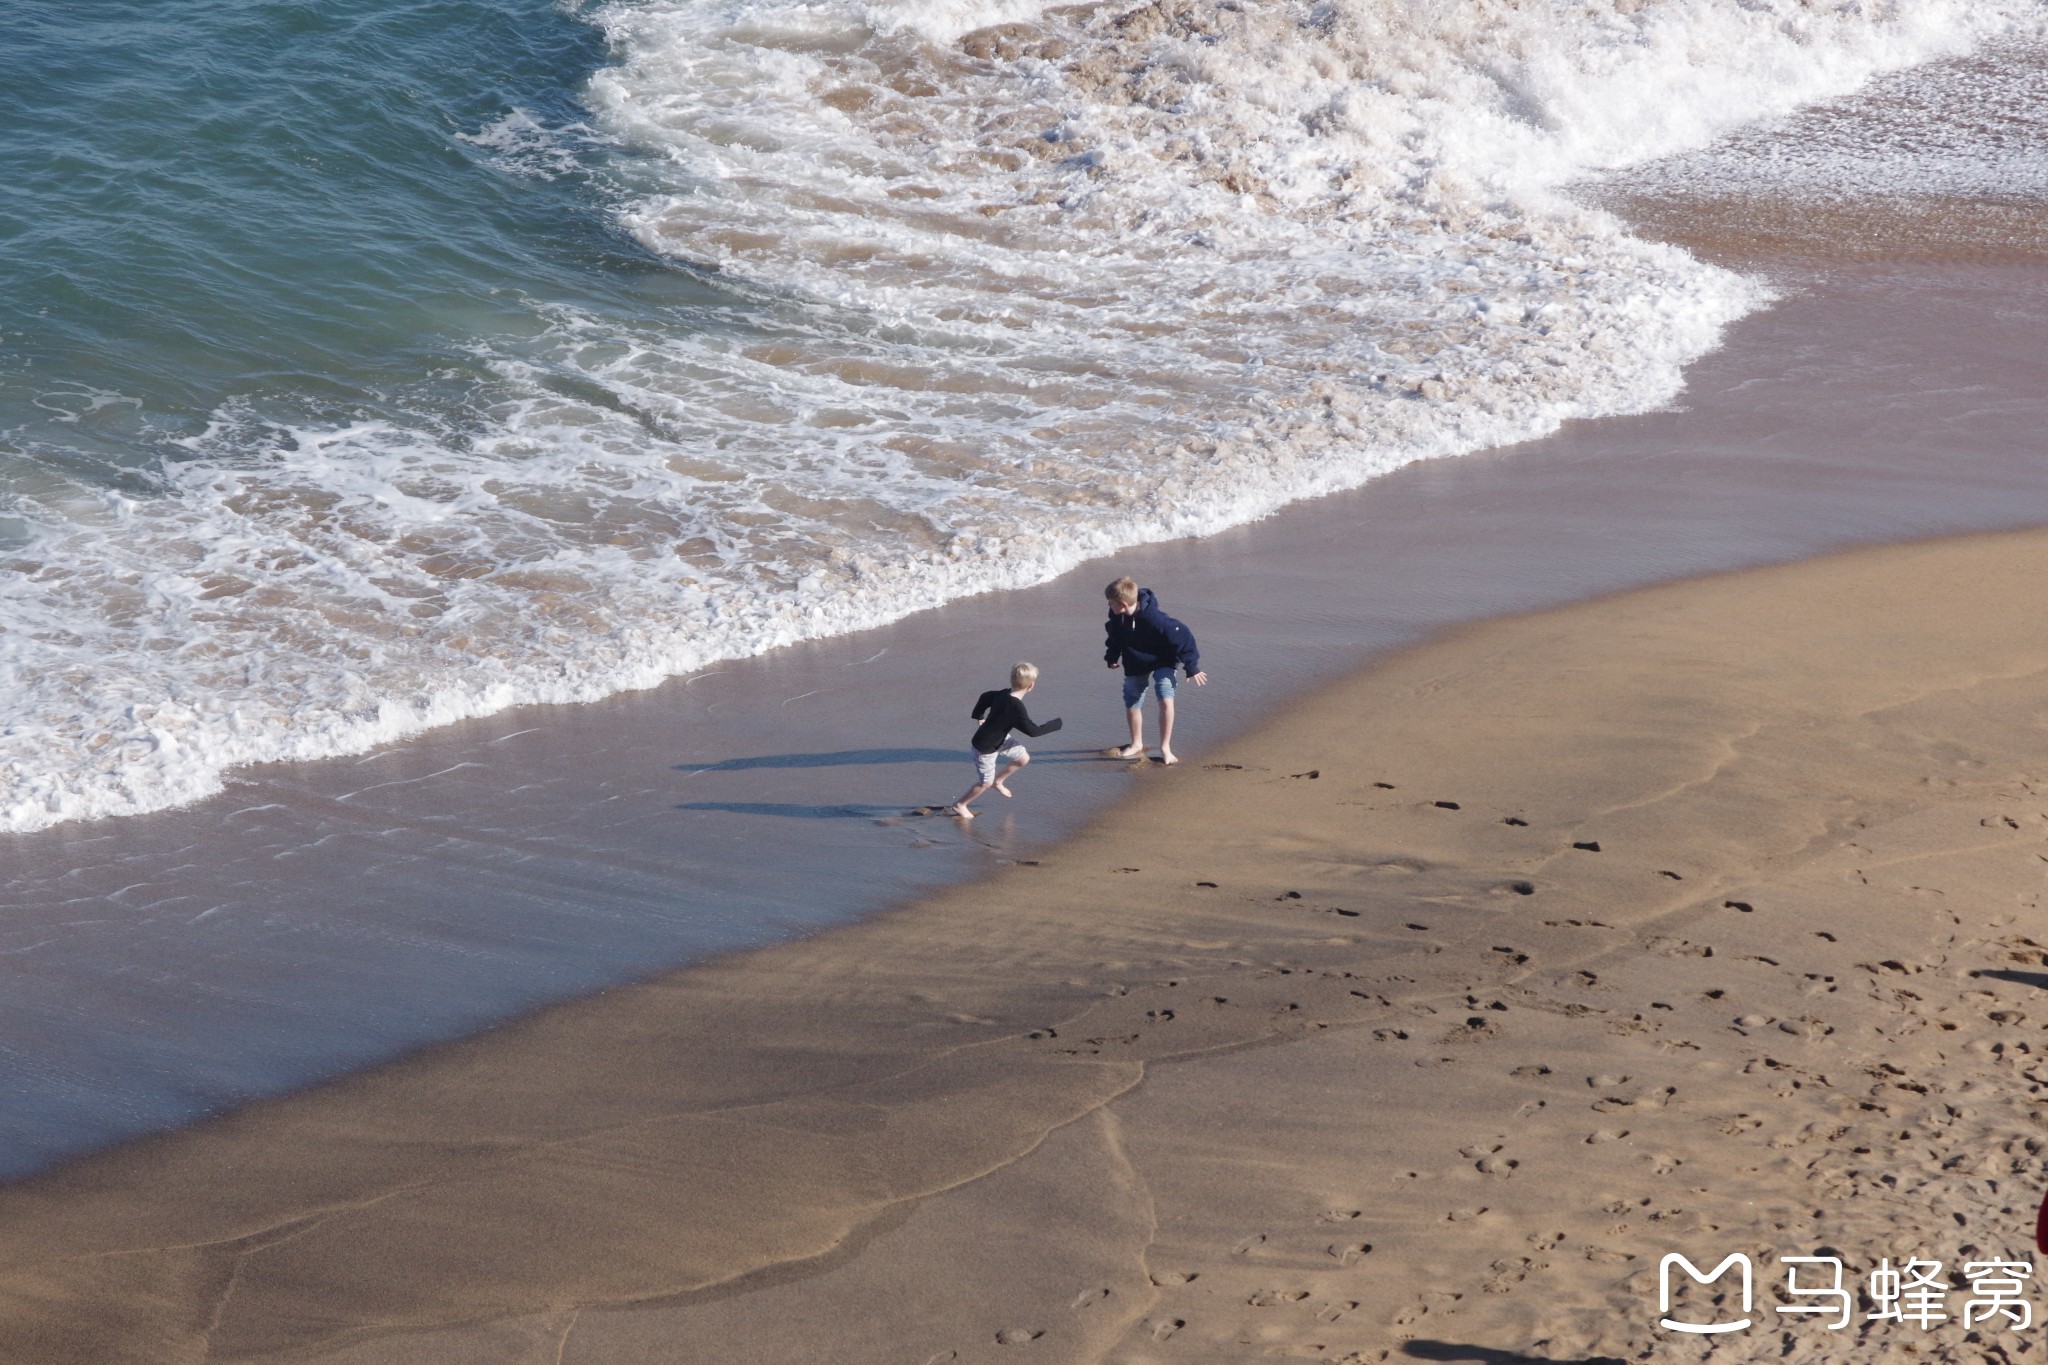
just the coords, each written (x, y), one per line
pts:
(1166, 757)
(1001, 788)
(1127, 751)
(962, 812)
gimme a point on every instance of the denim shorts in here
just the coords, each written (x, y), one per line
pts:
(1134, 686)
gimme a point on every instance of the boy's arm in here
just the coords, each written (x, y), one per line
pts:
(981, 705)
(1024, 724)
(1183, 641)
(1110, 652)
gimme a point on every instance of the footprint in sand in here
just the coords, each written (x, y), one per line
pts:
(1017, 1336)
(1507, 1273)
(1330, 1312)
(1275, 1298)
(1088, 1298)
(1165, 1327)
(1167, 1279)
(1347, 1252)
(1249, 1244)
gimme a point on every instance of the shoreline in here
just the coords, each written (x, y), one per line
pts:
(317, 919)
(1262, 1109)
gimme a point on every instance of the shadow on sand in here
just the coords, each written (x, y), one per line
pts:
(793, 811)
(2039, 979)
(856, 758)
(844, 758)
(1489, 1355)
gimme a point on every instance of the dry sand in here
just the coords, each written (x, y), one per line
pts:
(1417, 1025)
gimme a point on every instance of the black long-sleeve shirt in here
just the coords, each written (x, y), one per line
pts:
(1005, 712)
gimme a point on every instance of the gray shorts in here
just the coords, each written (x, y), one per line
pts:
(985, 764)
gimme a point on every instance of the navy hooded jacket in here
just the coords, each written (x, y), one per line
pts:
(1149, 639)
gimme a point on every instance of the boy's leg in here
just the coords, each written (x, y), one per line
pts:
(1004, 776)
(984, 778)
(1134, 702)
(1164, 686)
(1136, 747)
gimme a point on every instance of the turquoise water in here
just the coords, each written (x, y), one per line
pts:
(282, 208)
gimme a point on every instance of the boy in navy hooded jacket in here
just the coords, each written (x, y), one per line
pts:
(1149, 645)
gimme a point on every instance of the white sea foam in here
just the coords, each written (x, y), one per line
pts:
(1006, 299)
(521, 144)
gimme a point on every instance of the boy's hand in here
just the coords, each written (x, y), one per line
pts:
(1199, 679)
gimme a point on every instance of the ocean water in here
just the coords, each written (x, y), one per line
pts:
(370, 364)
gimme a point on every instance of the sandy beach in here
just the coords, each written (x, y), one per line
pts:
(1419, 1023)
(1520, 917)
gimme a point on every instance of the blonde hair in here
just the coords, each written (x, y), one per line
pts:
(1024, 675)
(1124, 590)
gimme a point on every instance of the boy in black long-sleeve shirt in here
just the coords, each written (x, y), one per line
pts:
(999, 713)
